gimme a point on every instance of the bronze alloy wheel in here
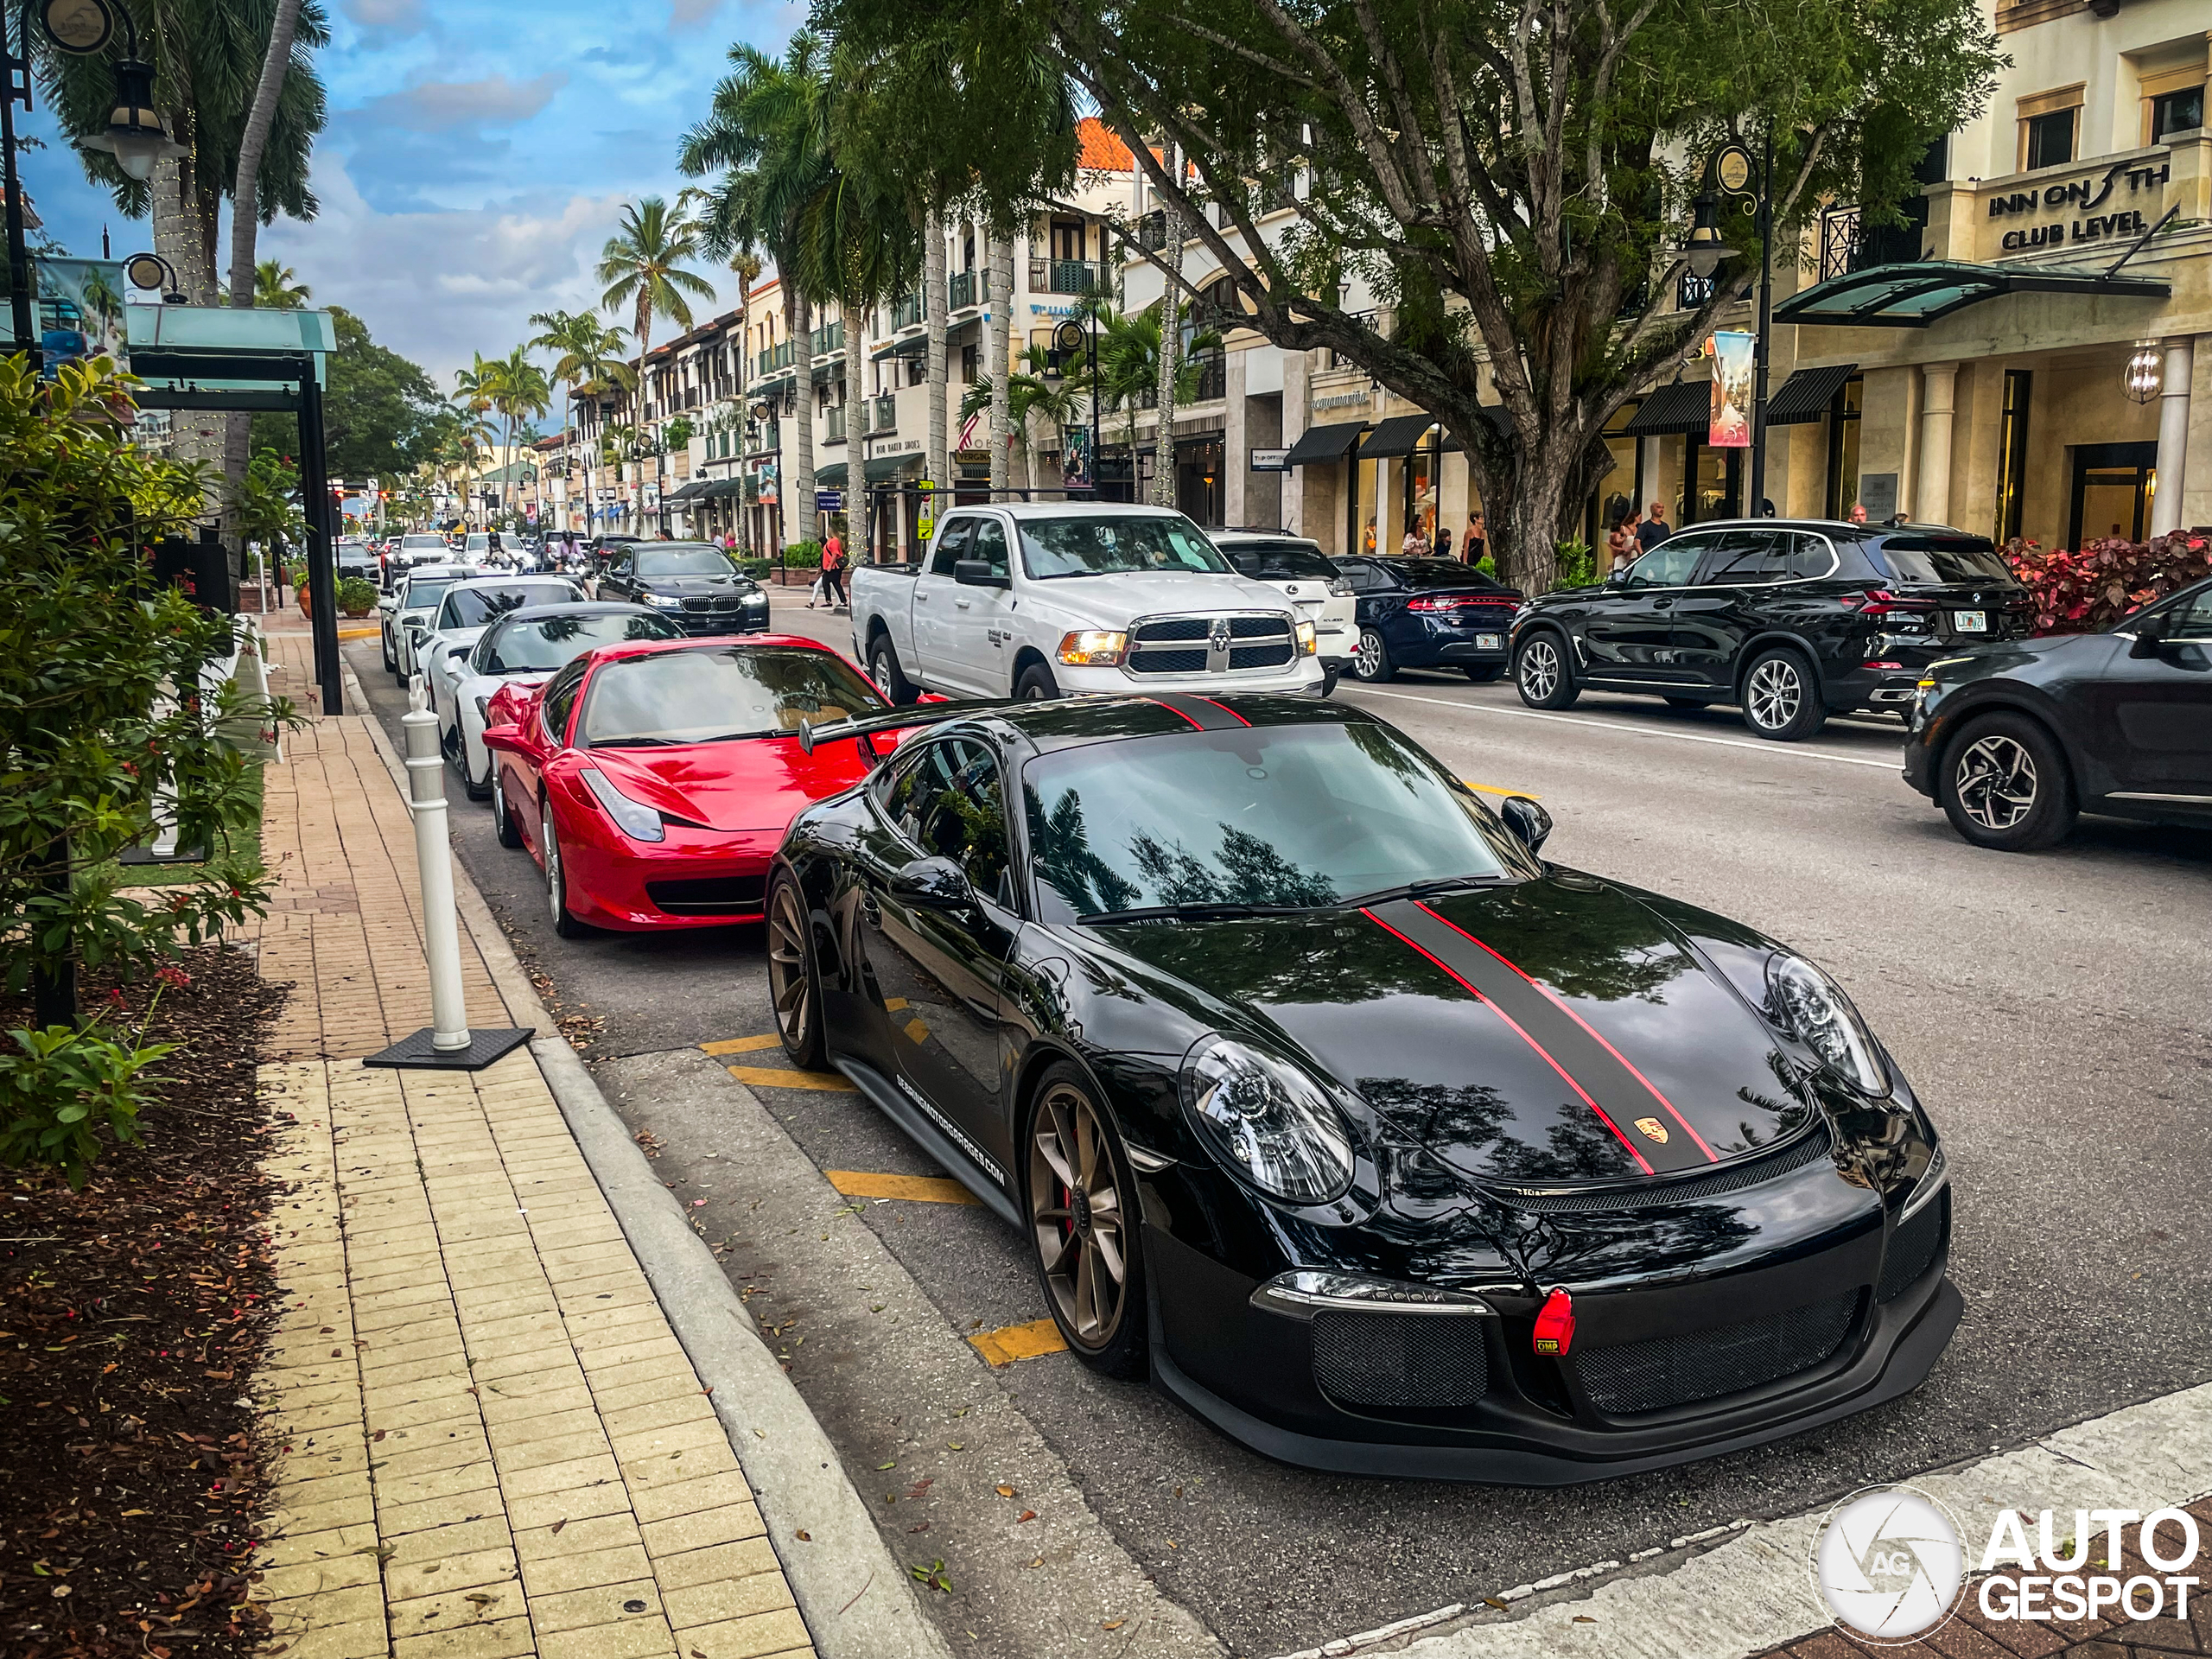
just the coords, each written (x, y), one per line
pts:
(1077, 1217)
(792, 984)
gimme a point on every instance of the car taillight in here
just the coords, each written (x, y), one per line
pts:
(1449, 602)
(1879, 602)
(1555, 1324)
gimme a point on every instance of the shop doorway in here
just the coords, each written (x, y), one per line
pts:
(2113, 483)
(1197, 478)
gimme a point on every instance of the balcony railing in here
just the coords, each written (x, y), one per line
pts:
(1152, 232)
(776, 357)
(1066, 276)
(885, 410)
(1213, 378)
(966, 288)
(907, 313)
(835, 431)
(830, 337)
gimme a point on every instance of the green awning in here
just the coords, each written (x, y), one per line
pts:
(831, 477)
(1917, 293)
(882, 470)
(912, 346)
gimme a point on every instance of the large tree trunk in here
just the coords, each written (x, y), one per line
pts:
(934, 300)
(1171, 348)
(998, 261)
(798, 488)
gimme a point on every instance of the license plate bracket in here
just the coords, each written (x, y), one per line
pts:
(1970, 621)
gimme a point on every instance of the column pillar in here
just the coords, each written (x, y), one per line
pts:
(1236, 443)
(1932, 483)
(2173, 439)
(1295, 395)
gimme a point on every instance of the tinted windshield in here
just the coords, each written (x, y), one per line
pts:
(425, 591)
(1098, 547)
(542, 644)
(1285, 815)
(424, 543)
(1436, 572)
(1943, 558)
(1279, 562)
(682, 562)
(697, 697)
(473, 607)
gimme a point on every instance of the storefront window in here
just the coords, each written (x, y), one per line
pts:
(2012, 456)
(1843, 447)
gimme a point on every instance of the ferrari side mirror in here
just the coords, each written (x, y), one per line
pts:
(504, 739)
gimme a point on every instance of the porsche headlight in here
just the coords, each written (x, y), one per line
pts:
(1804, 999)
(1270, 1121)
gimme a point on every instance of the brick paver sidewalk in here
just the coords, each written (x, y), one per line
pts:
(494, 1445)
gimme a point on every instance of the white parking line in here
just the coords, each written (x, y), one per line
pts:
(1796, 749)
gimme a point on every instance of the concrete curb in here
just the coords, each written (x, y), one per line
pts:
(857, 1600)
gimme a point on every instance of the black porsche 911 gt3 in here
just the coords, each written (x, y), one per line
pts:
(1379, 1142)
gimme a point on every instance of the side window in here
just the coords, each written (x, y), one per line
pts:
(949, 803)
(560, 701)
(951, 546)
(989, 545)
(1743, 558)
(1362, 576)
(2190, 618)
(1670, 564)
(1806, 556)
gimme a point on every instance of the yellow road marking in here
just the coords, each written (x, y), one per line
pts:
(740, 1044)
(1013, 1342)
(358, 633)
(776, 1077)
(917, 1032)
(1493, 789)
(924, 1189)
(893, 1004)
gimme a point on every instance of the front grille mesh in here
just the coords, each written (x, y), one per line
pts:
(1400, 1359)
(1182, 644)
(1168, 662)
(712, 896)
(1174, 628)
(1729, 1178)
(1273, 656)
(1912, 1249)
(1674, 1371)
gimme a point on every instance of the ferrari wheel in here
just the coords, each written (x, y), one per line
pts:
(794, 982)
(557, 877)
(1083, 1215)
(502, 825)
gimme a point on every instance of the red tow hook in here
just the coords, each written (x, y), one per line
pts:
(1555, 1324)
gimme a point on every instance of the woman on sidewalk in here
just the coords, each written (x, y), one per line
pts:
(833, 570)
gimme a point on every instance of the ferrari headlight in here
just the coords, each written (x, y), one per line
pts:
(634, 818)
(1094, 647)
(1804, 999)
(1308, 640)
(1268, 1120)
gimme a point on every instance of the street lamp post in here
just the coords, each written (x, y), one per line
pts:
(1064, 341)
(1729, 176)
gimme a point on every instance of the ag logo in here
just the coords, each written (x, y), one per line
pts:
(1888, 1564)
(1653, 1127)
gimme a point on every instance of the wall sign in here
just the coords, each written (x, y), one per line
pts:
(1271, 460)
(2102, 219)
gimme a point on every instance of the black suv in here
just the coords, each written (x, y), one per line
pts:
(1794, 620)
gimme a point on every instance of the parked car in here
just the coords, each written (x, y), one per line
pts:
(417, 549)
(464, 611)
(1791, 620)
(403, 614)
(652, 782)
(355, 556)
(2013, 739)
(695, 584)
(1301, 572)
(1038, 601)
(522, 650)
(1322, 1100)
(1425, 613)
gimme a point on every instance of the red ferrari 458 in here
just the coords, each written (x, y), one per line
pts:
(652, 781)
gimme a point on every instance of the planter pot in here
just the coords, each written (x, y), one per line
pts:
(353, 616)
(305, 610)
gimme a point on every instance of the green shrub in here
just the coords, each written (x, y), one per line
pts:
(805, 556)
(356, 597)
(1577, 564)
(61, 1086)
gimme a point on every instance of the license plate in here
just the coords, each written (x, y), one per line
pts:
(1970, 621)
(1489, 642)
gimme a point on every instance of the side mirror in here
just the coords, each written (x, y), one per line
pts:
(933, 884)
(1527, 819)
(2150, 637)
(504, 739)
(977, 573)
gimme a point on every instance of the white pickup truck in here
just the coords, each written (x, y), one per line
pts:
(1050, 600)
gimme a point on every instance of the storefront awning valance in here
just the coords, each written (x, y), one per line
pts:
(831, 477)
(691, 492)
(1914, 295)
(884, 469)
(912, 346)
(722, 489)
(1324, 443)
(1806, 395)
(1671, 409)
(1400, 435)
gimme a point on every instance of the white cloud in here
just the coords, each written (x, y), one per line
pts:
(442, 105)
(438, 287)
(386, 16)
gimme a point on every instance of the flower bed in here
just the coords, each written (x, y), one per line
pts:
(2089, 590)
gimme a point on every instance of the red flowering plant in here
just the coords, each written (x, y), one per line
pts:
(2089, 590)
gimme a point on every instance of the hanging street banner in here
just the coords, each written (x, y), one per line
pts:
(1730, 427)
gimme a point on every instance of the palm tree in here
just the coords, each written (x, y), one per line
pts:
(1129, 365)
(643, 266)
(1171, 346)
(1032, 397)
(473, 390)
(275, 288)
(519, 390)
(589, 360)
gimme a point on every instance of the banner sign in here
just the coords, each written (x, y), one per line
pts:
(80, 311)
(1075, 458)
(1729, 425)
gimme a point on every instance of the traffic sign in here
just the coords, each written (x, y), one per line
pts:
(925, 527)
(828, 500)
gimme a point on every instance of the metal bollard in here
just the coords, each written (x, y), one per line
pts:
(426, 792)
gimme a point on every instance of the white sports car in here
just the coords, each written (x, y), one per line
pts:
(522, 648)
(465, 610)
(403, 614)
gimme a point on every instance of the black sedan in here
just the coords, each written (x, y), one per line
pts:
(1416, 612)
(694, 584)
(1321, 1099)
(2012, 740)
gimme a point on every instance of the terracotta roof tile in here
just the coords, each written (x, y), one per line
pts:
(1098, 150)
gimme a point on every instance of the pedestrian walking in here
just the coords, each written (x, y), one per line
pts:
(1654, 529)
(1476, 548)
(833, 570)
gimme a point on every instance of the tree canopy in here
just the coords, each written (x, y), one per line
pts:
(381, 413)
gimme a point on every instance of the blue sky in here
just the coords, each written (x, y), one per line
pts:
(476, 154)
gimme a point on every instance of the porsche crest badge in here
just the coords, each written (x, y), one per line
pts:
(1653, 1127)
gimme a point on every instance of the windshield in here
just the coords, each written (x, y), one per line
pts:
(424, 543)
(1436, 572)
(698, 696)
(1943, 558)
(474, 607)
(423, 593)
(542, 644)
(1281, 562)
(682, 562)
(1099, 547)
(1302, 816)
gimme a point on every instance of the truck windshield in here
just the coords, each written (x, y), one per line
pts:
(1100, 547)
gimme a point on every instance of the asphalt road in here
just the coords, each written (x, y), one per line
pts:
(2051, 1011)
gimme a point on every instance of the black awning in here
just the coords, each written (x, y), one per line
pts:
(691, 492)
(1400, 435)
(1322, 443)
(1670, 410)
(1806, 395)
(1917, 293)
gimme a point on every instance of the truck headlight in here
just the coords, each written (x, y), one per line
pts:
(1094, 648)
(1308, 639)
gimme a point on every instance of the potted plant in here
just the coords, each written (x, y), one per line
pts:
(356, 597)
